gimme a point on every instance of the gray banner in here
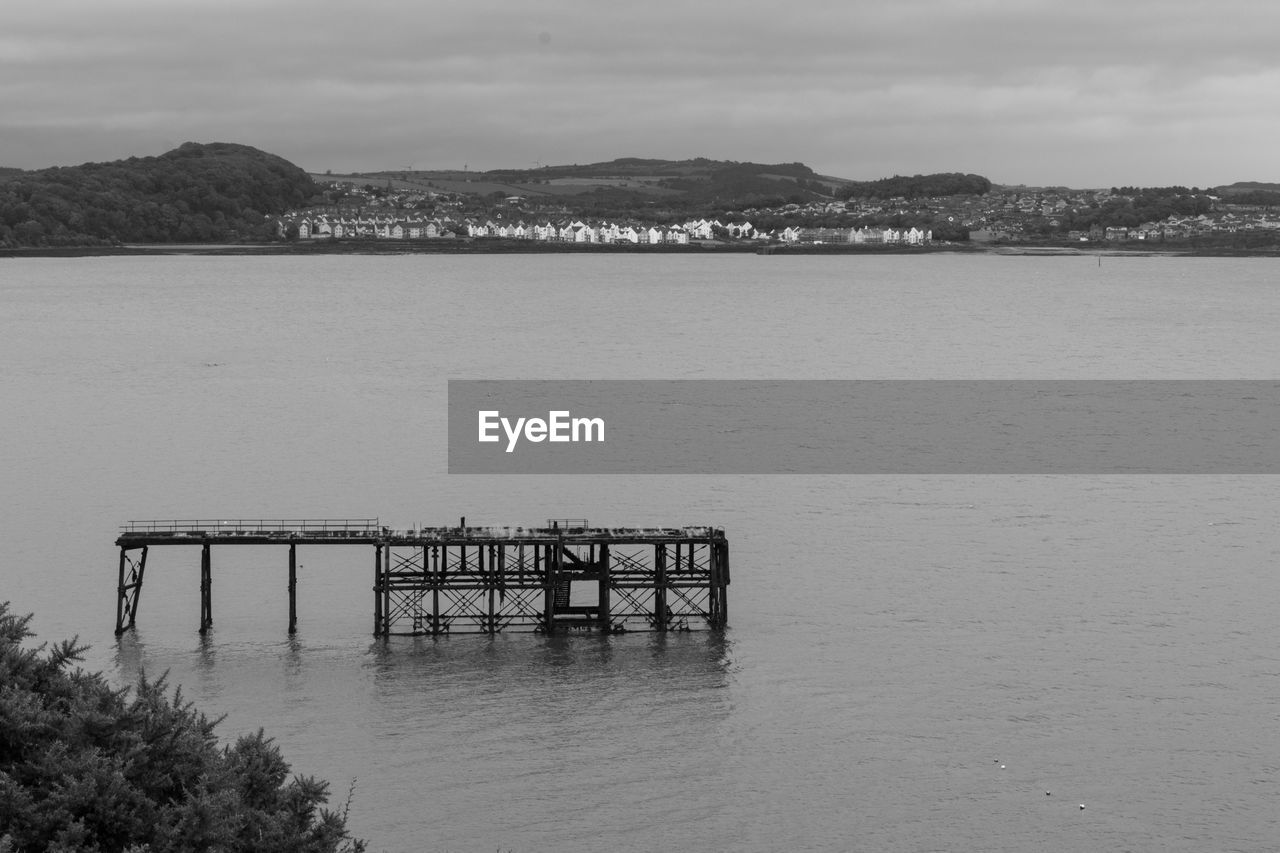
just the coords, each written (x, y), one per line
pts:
(864, 427)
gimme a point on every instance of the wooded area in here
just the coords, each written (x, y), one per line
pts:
(218, 192)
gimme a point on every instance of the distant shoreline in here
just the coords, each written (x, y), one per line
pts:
(481, 246)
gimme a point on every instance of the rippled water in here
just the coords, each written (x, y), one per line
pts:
(894, 640)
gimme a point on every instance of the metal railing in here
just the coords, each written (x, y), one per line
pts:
(339, 528)
(550, 531)
(255, 525)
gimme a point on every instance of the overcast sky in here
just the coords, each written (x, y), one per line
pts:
(1080, 93)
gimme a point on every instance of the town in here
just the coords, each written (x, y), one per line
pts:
(390, 227)
(1009, 214)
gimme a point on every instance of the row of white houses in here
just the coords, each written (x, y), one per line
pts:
(323, 227)
(900, 236)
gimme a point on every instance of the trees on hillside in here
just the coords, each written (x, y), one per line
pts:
(919, 186)
(195, 193)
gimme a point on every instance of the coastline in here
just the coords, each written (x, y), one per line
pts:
(488, 245)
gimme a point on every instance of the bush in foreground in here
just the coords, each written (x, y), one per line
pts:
(85, 767)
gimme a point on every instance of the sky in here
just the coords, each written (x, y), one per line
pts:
(1078, 93)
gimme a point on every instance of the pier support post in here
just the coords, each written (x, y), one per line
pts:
(605, 616)
(378, 581)
(661, 618)
(437, 581)
(120, 595)
(386, 590)
(551, 577)
(724, 584)
(293, 587)
(206, 587)
(500, 581)
(487, 576)
(720, 584)
(129, 589)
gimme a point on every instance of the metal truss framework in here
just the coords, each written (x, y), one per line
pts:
(567, 583)
(442, 580)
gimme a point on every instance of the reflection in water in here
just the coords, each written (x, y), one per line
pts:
(293, 657)
(575, 658)
(1072, 626)
(219, 670)
(208, 653)
(568, 731)
(128, 657)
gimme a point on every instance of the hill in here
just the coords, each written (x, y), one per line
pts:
(215, 192)
(1248, 186)
(633, 186)
(1250, 192)
(919, 186)
(628, 183)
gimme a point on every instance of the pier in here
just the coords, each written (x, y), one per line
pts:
(442, 580)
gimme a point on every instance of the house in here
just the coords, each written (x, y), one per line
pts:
(700, 229)
(825, 235)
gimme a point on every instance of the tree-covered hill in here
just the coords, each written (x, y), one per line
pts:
(1250, 192)
(214, 192)
(919, 186)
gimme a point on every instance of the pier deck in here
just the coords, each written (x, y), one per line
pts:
(440, 580)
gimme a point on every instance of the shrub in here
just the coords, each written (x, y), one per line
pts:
(87, 767)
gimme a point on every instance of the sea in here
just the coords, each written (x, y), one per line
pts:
(986, 662)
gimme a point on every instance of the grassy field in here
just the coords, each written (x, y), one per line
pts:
(480, 183)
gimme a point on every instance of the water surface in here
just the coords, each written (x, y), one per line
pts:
(893, 640)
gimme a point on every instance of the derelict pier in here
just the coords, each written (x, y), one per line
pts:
(442, 580)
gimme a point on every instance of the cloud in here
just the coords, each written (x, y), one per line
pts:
(1087, 92)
